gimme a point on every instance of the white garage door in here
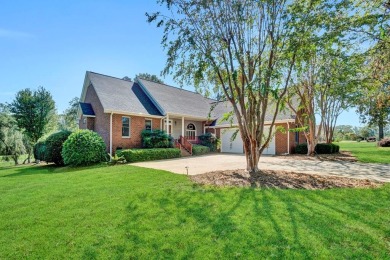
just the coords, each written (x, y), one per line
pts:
(271, 146)
(236, 146)
(228, 146)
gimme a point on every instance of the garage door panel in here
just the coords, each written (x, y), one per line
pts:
(237, 146)
(228, 145)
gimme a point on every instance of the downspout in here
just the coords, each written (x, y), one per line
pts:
(111, 133)
(288, 137)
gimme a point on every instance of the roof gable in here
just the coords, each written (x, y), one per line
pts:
(121, 96)
(176, 100)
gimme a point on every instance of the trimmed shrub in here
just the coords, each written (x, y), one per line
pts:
(54, 147)
(336, 148)
(39, 150)
(156, 139)
(141, 155)
(385, 142)
(200, 149)
(84, 147)
(301, 148)
(323, 148)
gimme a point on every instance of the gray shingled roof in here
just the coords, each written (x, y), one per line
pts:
(120, 95)
(178, 101)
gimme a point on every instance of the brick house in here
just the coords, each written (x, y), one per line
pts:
(119, 110)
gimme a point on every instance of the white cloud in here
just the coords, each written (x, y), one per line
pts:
(13, 34)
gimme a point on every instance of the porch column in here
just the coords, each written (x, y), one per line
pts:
(182, 126)
(167, 124)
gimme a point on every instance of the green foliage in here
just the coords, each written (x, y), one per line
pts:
(69, 117)
(54, 147)
(11, 138)
(385, 142)
(150, 77)
(140, 155)
(200, 149)
(32, 111)
(117, 158)
(301, 148)
(40, 151)
(321, 148)
(156, 139)
(209, 140)
(84, 147)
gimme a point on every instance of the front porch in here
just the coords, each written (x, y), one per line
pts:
(185, 131)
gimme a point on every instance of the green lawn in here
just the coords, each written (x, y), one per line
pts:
(367, 152)
(127, 212)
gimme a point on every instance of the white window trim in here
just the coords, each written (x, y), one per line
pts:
(125, 136)
(151, 123)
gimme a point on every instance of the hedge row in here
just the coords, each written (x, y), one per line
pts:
(141, 155)
(200, 149)
(321, 148)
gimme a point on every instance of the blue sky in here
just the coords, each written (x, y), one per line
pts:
(52, 44)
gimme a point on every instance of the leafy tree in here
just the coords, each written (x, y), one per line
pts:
(336, 89)
(11, 139)
(68, 121)
(32, 111)
(248, 48)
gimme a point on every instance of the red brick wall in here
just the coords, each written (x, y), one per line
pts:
(137, 124)
(101, 121)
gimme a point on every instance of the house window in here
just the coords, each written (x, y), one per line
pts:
(297, 137)
(125, 126)
(84, 121)
(191, 132)
(148, 124)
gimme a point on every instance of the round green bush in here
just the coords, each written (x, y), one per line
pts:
(301, 148)
(39, 150)
(84, 147)
(54, 147)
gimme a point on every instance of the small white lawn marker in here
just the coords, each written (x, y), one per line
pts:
(187, 169)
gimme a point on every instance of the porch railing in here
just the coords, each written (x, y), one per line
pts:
(176, 143)
(186, 144)
(193, 139)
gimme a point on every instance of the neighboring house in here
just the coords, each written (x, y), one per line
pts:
(119, 110)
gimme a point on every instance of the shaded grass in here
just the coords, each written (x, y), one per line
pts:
(367, 152)
(126, 212)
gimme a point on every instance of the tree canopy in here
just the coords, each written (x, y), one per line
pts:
(32, 111)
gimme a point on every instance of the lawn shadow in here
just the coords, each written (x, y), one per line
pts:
(45, 169)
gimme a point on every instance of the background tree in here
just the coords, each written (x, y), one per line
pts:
(146, 76)
(248, 47)
(69, 120)
(32, 111)
(150, 77)
(11, 139)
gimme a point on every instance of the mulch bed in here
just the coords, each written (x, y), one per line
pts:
(342, 156)
(280, 180)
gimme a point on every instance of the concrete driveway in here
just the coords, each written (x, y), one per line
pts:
(215, 162)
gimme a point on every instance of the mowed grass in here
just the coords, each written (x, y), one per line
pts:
(367, 152)
(127, 212)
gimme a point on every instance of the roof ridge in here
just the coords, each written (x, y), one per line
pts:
(110, 76)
